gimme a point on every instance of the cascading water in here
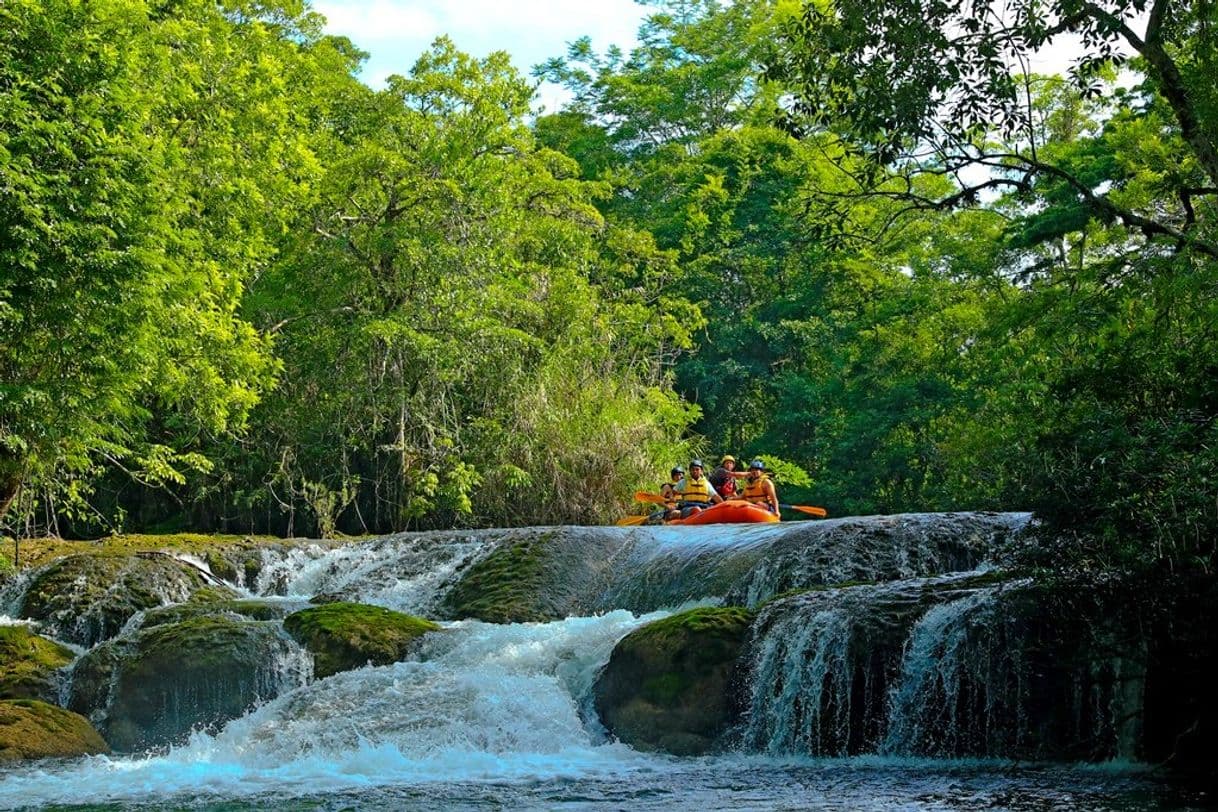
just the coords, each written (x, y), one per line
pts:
(822, 664)
(925, 703)
(501, 715)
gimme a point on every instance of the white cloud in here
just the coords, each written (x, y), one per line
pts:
(396, 32)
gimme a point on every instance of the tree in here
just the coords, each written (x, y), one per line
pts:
(445, 275)
(924, 87)
(147, 167)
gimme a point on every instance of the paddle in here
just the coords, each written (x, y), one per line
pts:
(809, 509)
(630, 521)
(644, 496)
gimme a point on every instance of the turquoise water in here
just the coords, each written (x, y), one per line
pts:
(728, 783)
(498, 717)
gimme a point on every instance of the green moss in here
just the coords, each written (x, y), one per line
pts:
(27, 662)
(169, 679)
(37, 552)
(711, 620)
(88, 598)
(343, 636)
(670, 685)
(212, 594)
(209, 640)
(252, 567)
(665, 689)
(503, 587)
(220, 566)
(33, 729)
(251, 609)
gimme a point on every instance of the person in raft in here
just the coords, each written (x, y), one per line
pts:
(759, 488)
(723, 478)
(669, 491)
(694, 493)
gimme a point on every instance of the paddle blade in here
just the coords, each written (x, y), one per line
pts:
(644, 496)
(809, 509)
(630, 521)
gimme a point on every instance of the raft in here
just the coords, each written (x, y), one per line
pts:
(733, 512)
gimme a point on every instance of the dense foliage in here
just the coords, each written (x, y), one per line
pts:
(241, 290)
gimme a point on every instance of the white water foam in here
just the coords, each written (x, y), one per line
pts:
(402, 572)
(483, 702)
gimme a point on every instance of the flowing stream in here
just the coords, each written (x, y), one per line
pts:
(488, 716)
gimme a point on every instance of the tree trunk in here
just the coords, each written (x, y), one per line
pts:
(1171, 84)
(10, 486)
(11, 469)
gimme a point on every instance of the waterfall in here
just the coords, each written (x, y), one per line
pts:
(933, 656)
(821, 664)
(405, 571)
(643, 569)
(951, 666)
(943, 702)
(800, 697)
(478, 702)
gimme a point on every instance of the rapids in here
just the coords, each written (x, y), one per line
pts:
(500, 715)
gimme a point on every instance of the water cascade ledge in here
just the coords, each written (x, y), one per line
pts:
(933, 658)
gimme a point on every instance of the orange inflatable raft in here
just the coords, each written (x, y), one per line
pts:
(733, 512)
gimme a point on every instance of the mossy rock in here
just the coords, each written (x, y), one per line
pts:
(234, 548)
(343, 636)
(505, 586)
(672, 684)
(213, 593)
(28, 664)
(32, 729)
(153, 688)
(248, 609)
(221, 567)
(85, 599)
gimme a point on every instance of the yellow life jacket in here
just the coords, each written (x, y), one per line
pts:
(754, 490)
(697, 492)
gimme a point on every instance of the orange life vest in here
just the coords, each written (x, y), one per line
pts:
(754, 491)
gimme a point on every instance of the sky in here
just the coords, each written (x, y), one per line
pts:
(396, 32)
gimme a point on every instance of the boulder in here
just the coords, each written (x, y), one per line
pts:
(155, 686)
(85, 599)
(246, 609)
(503, 587)
(28, 664)
(32, 729)
(343, 636)
(672, 684)
(536, 574)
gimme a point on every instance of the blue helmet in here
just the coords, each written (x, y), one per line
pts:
(758, 464)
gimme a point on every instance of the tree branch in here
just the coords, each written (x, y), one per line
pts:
(282, 323)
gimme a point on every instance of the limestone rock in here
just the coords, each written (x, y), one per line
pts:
(154, 687)
(671, 685)
(343, 636)
(28, 664)
(85, 599)
(32, 729)
(536, 574)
